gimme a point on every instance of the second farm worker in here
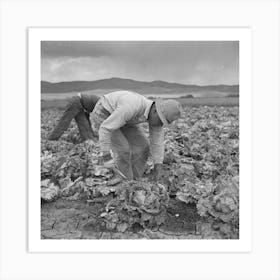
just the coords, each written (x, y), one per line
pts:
(117, 117)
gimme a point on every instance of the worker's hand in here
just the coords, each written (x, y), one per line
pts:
(90, 146)
(106, 156)
(106, 159)
(158, 172)
(89, 142)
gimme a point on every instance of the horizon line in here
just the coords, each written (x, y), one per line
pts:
(139, 81)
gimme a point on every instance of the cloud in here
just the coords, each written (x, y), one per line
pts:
(185, 62)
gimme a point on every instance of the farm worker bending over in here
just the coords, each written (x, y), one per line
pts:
(117, 117)
(79, 107)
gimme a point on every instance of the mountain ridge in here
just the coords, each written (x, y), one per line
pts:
(129, 84)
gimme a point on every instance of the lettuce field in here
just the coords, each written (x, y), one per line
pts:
(196, 198)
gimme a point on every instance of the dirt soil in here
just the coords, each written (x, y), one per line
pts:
(63, 219)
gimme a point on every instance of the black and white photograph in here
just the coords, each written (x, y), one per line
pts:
(139, 139)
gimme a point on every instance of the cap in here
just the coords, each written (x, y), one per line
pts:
(168, 110)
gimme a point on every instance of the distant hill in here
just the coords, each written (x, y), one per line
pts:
(138, 86)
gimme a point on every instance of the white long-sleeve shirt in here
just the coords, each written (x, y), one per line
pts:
(128, 107)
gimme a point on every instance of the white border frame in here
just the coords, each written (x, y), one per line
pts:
(243, 35)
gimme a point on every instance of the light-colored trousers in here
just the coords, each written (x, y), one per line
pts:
(129, 144)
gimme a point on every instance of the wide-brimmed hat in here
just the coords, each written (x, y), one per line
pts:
(168, 110)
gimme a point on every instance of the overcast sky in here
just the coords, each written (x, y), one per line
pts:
(187, 62)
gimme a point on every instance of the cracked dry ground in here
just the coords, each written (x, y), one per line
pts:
(65, 219)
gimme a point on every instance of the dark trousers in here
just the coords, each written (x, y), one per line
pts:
(73, 110)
